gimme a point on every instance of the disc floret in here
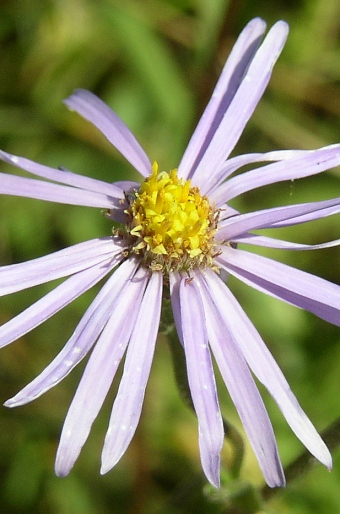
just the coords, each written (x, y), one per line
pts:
(171, 226)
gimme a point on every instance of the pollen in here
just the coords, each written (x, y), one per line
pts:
(170, 224)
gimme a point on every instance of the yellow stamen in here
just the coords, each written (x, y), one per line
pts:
(172, 226)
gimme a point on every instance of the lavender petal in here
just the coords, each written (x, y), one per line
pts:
(63, 176)
(114, 129)
(16, 277)
(304, 165)
(266, 369)
(297, 287)
(242, 388)
(31, 188)
(201, 379)
(323, 212)
(235, 163)
(270, 242)
(238, 225)
(51, 303)
(98, 375)
(127, 406)
(247, 96)
(232, 74)
(175, 280)
(83, 338)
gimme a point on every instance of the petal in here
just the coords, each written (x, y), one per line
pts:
(127, 406)
(242, 106)
(304, 165)
(99, 373)
(293, 286)
(322, 212)
(266, 370)
(101, 116)
(175, 280)
(31, 188)
(16, 277)
(270, 242)
(51, 303)
(201, 378)
(126, 185)
(240, 224)
(64, 176)
(235, 163)
(83, 338)
(241, 387)
(226, 87)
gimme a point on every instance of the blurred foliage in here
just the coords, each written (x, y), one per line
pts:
(155, 63)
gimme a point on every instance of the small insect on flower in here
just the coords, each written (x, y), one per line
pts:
(177, 233)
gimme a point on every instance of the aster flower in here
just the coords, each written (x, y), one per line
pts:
(178, 231)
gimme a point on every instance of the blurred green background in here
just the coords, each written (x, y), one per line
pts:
(155, 62)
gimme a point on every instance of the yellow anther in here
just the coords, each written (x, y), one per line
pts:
(171, 223)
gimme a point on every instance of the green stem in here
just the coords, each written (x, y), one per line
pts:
(237, 442)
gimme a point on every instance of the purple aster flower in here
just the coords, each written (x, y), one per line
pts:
(178, 231)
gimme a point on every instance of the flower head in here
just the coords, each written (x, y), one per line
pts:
(171, 226)
(177, 230)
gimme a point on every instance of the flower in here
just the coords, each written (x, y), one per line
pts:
(178, 231)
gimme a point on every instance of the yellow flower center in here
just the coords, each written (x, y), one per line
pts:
(170, 224)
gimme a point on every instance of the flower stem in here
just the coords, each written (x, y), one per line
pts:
(237, 442)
